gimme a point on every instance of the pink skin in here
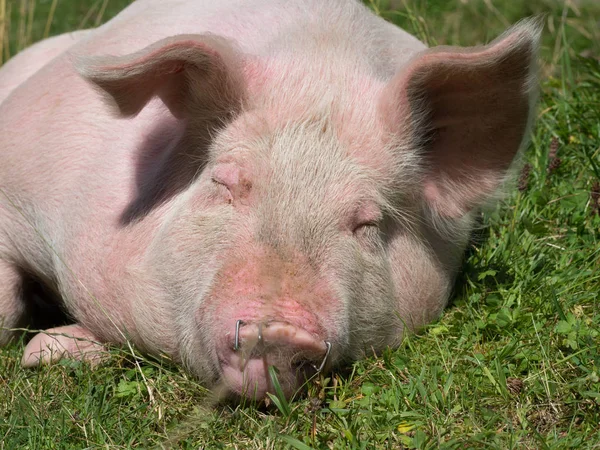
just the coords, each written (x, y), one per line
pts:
(27, 63)
(249, 160)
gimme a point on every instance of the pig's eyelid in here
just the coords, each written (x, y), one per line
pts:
(370, 223)
(217, 181)
(220, 183)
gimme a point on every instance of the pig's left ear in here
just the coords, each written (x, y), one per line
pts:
(190, 73)
(468, 110)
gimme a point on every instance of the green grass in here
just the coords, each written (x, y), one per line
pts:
(513, 363)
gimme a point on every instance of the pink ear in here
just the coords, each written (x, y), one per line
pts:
(468, 109)
(188, 72)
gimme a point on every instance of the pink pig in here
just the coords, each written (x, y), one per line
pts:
(247, 183)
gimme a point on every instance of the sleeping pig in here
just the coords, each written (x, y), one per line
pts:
(247, 183)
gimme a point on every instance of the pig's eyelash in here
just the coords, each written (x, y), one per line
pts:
(370, 223)
(220, 186)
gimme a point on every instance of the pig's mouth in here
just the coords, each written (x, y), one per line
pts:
(296, 354)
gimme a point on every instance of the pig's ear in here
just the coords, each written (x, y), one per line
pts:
(188, 72)
(468, 109)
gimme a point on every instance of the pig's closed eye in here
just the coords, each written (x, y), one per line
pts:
(366, 219)
(366, 228)
(372, 223)
(368, 235)
(223, 190)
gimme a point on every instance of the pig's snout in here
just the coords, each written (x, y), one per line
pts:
(296, 353)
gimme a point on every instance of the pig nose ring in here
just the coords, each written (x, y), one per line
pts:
(236, 341)
(260, 337)
(325, 358)
(236, 344)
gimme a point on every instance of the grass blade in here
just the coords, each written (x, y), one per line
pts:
(279, 398)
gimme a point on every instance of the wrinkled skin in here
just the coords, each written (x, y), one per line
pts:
(192, 164)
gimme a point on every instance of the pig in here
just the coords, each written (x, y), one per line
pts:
(249, 183)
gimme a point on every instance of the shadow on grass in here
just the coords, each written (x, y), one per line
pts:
(474, 272)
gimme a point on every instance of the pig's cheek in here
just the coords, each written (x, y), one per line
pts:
(421, 283)
(204, 338)
(367, 314)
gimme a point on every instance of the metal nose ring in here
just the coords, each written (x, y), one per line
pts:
(236, 343)
(325, 358)
(260, 336)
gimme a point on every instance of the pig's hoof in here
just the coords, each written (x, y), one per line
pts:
(71, 341)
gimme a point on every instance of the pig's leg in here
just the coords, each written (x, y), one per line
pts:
(11, 306)
(70, 341)
(32, 59)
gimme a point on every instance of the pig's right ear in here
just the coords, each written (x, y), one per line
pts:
(467, 110)
(190, 73)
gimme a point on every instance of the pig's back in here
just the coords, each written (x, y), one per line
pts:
(259, 27)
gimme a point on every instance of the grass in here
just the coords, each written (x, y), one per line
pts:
(513, 363)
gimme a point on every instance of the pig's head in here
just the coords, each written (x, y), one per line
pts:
(315, 235)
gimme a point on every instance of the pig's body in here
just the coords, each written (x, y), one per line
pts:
(276, 190)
